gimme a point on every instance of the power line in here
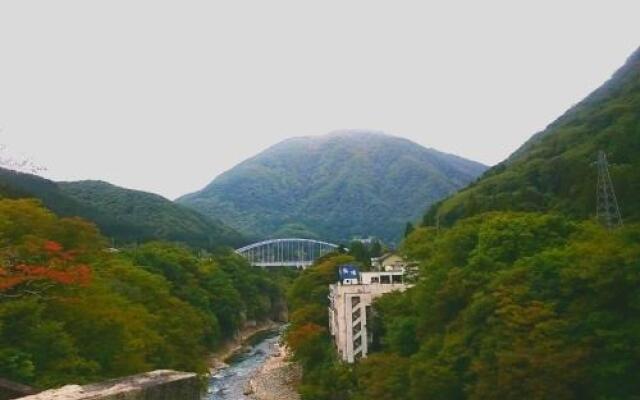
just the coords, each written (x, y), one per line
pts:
(607, 210)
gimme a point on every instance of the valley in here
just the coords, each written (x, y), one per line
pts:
(507, 282)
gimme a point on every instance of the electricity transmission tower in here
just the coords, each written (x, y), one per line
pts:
(607, 210)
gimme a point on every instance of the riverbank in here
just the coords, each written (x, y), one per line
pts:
(218, 359)
(278, 378)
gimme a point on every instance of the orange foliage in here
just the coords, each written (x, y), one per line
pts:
(59, 268)
(52, 247)
(303, 335)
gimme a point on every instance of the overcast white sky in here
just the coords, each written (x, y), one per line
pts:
(164, 95)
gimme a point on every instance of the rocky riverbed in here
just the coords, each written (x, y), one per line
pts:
(258, 370)
(242, 341)
(277, 378)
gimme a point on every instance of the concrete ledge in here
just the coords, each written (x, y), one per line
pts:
(157, 385)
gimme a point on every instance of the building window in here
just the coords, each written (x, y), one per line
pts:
(385, 279)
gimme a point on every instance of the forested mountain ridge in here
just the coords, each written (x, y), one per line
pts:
(554, 169)
(122, 214)
(335, 186)
(151, 216)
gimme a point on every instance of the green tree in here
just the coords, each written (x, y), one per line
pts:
(408, 229)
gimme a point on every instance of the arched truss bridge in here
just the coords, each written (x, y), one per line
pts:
(286, 252)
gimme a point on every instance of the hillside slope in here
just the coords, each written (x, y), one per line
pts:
(333, 187)
(554, 169)
(147, 216)
(122, 214)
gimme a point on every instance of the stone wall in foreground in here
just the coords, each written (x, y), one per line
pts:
(11, 390)
(156, 385)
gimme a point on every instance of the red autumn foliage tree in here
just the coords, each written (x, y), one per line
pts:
(39, 251)
(55, 267)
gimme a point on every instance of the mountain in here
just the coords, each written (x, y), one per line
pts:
(14, 184)
(148, 216)
(554, 170)
(333, 187)
(122, 214)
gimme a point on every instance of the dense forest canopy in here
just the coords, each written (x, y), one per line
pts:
(520, 306)
(72, 312)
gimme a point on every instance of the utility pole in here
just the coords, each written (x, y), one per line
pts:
(607, 210)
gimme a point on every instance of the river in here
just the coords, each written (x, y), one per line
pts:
(230, 382)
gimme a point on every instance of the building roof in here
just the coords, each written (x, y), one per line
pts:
(386, 256)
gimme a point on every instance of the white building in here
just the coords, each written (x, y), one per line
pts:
(389, 262)
(350, 304)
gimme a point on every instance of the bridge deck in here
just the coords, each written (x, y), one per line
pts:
(283, 264)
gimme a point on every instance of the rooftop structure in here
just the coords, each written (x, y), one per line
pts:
(389, 262)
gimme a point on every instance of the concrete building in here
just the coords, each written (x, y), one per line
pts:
(350, 304)
(389, 262)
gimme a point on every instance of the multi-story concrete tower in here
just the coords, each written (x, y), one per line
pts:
(350, 304)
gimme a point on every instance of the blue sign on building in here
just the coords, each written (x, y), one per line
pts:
(348, 272)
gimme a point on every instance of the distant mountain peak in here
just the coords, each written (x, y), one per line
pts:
(357, 133)
(333, 186)
(347, 134)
